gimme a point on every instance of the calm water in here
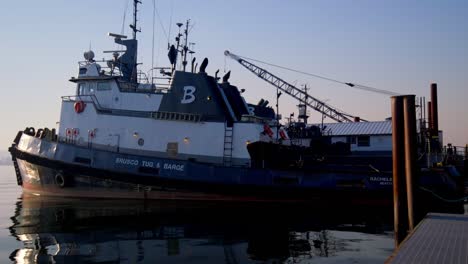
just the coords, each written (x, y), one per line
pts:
(40, 230)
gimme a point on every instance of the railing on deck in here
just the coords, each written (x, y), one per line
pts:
(455, 154)
(142, 77)
(173, 116)
(252, 119)
(176, 116)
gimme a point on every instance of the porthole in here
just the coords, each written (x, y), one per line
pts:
(141, 142)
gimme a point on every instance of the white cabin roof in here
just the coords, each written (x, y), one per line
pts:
(358, 128)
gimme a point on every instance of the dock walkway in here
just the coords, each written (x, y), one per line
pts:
(439, 238)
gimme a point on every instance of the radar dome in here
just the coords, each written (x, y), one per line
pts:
(89, 55)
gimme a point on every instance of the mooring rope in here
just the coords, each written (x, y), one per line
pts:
(463, 199)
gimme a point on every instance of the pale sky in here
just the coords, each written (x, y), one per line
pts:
(400, 46)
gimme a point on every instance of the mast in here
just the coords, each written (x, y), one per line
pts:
(185, 49)
(303, 107)
(135, 20)
(127, 62)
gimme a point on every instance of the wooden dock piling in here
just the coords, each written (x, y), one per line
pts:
(399, 190)
(404, 164)
(410, 153)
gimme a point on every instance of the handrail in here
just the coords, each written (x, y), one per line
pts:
(92, 99)
(253, 119)
(100, 108)
(141, 75)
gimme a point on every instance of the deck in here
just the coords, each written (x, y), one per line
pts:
(439, 238)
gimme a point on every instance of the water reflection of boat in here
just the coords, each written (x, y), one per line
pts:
(76, 231)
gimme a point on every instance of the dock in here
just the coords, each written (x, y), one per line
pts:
(438, 238)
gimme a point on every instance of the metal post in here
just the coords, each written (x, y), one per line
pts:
(398, 169)
(278, 94)
(410, 153)
(424, 109)
(429, 117)
(322, 121)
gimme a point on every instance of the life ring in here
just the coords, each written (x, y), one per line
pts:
(283, 134)
(79, 106)
(267, 130)
(60, 180)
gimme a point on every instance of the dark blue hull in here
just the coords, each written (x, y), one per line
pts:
(53, 168)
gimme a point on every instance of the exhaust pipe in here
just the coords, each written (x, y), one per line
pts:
(429, 116)
(435, 113)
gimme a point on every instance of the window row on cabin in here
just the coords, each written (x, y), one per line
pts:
(361, 141)
(176, 116)
(89, 88)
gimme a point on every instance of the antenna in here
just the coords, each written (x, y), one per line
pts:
(135, 20)
(191, 49)
(185, 49)
(179, 25)
(303, 107)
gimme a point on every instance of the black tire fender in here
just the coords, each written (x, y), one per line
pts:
(60, 180)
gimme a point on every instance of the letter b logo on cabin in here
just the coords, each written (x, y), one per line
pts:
(189, 96)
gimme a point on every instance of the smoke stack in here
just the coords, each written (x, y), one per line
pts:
(429, 116)
(435, 113)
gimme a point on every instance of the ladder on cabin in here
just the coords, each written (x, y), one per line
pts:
(228, 145)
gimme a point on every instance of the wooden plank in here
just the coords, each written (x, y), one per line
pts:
(439, 238)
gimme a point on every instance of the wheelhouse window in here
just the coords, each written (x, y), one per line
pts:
(103, 86)
(86, 89)
(80, 90)
(83, 71)
(363, 141)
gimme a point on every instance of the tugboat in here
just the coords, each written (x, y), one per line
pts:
(195, 137)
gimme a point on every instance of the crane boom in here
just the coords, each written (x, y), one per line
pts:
(293, 91)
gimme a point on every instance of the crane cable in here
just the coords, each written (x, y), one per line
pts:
(353, 85)
(160, 22)
(152, 41)
(170, 25)
(122, 31)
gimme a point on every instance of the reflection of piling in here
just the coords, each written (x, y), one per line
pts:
(404, 163)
